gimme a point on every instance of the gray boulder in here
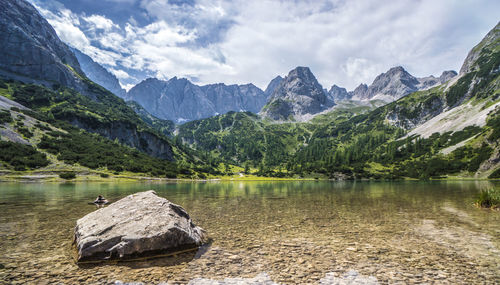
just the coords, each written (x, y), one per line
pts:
(141, 224)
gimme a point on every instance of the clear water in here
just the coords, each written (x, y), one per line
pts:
(294, 231)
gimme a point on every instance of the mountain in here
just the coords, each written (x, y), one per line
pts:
(396, 83)
(338, 93)
(32, 51)
(99, 74)
(451, 129)
(390, 86)
(299, 93)
(179, 100)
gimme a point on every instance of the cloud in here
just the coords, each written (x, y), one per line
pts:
(344, 42)
(66, 24)
(120, 74)
(100, 22)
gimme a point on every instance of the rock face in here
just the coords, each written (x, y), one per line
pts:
(273, 85)
(180, 100)
(338, 93)
(140, 224)
(226, 98)
(31, 50)
(390, 86)
(299, 93)
(99, 74)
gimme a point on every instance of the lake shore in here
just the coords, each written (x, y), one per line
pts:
(105, 176)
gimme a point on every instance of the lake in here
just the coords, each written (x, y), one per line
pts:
(295, 231)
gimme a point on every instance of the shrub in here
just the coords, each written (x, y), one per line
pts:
(104, 175)
(25, 132)
(5, 117)
(67, 175)
(495, 174)
(21, 156)
(489, 198)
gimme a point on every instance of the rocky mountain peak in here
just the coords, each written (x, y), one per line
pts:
(299, 93)
(338, 93)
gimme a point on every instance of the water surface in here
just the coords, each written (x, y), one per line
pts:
(295, 231)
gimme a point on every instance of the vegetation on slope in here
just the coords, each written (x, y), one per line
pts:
(52, 110)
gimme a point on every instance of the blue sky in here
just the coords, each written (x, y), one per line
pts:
(343, 42)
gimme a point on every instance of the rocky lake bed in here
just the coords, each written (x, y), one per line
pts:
(267, 233)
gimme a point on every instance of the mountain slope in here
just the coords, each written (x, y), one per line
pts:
(37, 55)
(99, 74)
(163, 126)
(299, 93)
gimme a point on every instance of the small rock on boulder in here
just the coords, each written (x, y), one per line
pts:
(141, 224)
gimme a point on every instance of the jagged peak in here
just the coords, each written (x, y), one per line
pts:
(301, 72)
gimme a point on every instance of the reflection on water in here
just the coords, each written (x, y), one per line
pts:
(294, 231)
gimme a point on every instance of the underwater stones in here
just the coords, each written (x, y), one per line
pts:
(141, 224)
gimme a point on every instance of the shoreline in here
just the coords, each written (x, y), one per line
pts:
(53, 176)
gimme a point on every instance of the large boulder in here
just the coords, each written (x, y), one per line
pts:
(141, 224)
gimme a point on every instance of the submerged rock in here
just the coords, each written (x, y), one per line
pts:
(141, 224)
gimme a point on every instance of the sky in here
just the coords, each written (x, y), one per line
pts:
(344, 42)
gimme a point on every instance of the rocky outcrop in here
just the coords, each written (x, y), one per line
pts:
(97, 73)
(31, 50)
(140, 224)
(180, 100)
(299, 93)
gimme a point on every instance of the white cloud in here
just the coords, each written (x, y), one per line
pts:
(100, 22)
(120, 74)
(237, 41)
(66, 24)
(162, 34)
(127, 87)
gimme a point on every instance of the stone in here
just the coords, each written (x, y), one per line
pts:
(351, 277)
(139, 225)
(260, 279)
